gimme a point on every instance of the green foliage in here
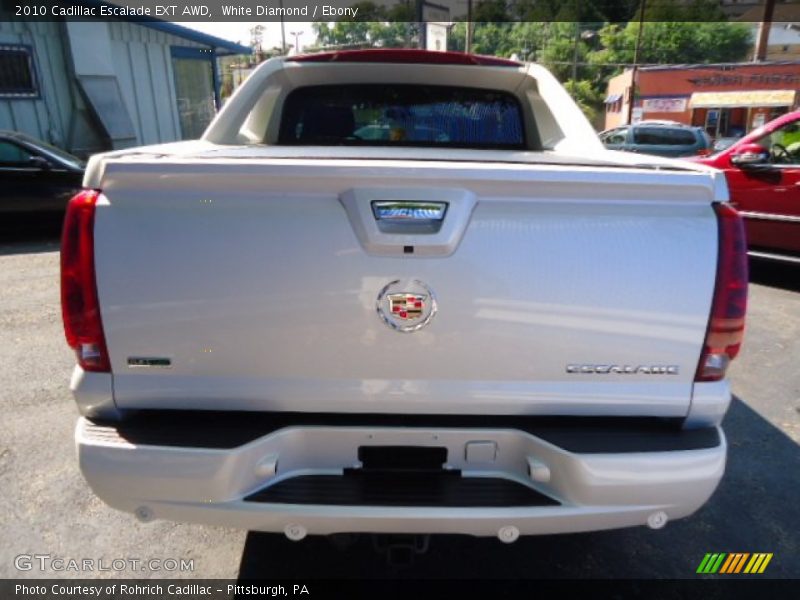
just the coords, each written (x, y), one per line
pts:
(674, 42)
(341, 33)
(375, 27)
(565, 48)
(490, 11)
(492, 39)
(694, 10)
(587, 96)
(572, 10)
(504, 39)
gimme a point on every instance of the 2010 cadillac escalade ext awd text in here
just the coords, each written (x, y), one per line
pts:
(400, 291)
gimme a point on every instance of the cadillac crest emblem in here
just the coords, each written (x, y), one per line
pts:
(406, 306)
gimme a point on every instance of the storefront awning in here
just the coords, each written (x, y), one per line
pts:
(742, 99)
(612, 98)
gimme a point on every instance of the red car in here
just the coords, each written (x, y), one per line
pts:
(763, 173)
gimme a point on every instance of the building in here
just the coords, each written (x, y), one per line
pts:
(783, 42)
(88, 86)
(725, 99)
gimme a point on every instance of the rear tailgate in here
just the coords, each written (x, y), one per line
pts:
(258, 281)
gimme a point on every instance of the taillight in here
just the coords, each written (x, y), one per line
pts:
(79, 306)
(704, 152)
(726, 323)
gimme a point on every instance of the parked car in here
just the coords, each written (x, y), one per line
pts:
(35, 177)
(763, 173)
(282, 327)
(663, 138)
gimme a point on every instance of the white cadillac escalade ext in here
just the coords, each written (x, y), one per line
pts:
(401, 291)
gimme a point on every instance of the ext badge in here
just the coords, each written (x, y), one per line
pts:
(406, 306)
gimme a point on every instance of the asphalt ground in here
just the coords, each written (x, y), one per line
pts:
(47, 509)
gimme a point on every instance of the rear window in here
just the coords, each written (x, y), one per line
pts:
(402, 115)
(662, 136)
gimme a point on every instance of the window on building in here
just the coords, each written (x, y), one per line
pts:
(17, 77)
(193, 69)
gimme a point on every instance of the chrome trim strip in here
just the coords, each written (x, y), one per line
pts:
(769, 217)
(778, 257)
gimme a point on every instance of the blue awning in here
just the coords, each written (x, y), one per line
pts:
(612, 98)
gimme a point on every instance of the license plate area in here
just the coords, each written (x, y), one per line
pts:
(402, 459)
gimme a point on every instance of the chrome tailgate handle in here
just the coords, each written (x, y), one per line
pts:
(409, 221)
(403, 210)
(409, 216)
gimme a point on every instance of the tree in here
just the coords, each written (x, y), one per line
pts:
(492, 39)
(341, 33)
(374, 27)
(528, 39)
(686, 10)
(665, 42)
(490, 11)
(587, 97)
(566, 50)
(541, 11)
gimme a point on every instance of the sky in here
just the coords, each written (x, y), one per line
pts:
(240, 32)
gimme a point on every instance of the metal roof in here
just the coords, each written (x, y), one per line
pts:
(221, 47)
(775, 63)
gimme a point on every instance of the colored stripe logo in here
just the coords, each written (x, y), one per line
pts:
(734, 563)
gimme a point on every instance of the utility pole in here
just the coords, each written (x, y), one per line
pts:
(634, 71)
(468, 41)
(283, 31)
(296, 35)
(576, 6)
(256, 37)
(762, 43)
(575, 52)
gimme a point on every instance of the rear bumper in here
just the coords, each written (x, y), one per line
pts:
(585, 486)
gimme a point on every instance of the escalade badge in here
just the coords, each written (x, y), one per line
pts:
(624, 369)
(406, 306)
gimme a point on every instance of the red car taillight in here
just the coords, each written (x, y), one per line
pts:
(79, 306)
(728, 308)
